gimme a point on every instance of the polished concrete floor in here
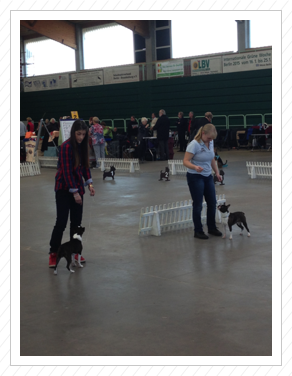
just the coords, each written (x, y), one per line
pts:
(172, 295)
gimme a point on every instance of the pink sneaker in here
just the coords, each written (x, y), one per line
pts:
(81, 260)
(52, 260)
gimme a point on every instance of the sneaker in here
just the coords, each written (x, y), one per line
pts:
(201, 235)
(52, 260)
(81, 260)
(215, 232)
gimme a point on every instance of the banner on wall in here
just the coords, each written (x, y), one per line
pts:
(247, 61)
(170, 68)
(92, 78)
(206, 66)
(121, 74)
(52, 82)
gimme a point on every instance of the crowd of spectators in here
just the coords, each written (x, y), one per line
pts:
(153, 132)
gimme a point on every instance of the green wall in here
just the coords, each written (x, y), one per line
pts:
(222, 94)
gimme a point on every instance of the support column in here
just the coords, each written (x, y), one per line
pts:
(150, 50)
(79, 57)
(243, 35)
(22, 57)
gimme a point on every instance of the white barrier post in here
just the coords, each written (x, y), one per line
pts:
(156, 231)
(253, 173)
(173, 171)
(102, 166)
(132, 167)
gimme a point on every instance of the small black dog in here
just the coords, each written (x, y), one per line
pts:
(69, 249)
(110, 174)
(165, 174)
(230, 219)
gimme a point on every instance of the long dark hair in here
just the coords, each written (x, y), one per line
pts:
(80, 125)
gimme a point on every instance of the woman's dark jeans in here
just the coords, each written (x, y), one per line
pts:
(65, 203)
(200, 186)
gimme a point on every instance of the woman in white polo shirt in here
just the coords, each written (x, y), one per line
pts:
(199, 160)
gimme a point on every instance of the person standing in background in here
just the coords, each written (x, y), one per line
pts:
(162, 126)
(30, 125)
(98, 141)
(205, 120)
(182, 128)
(22, 130)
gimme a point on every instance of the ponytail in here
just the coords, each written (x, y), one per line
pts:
(199, 135)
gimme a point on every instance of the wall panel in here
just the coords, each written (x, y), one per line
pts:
(222, 94)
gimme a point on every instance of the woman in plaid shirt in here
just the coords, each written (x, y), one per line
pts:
(73, 167)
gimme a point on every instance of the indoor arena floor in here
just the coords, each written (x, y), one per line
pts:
(172, 295)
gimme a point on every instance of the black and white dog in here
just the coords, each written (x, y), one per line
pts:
(110, 174)
(165, 174)
(230, 219)
(70, 249)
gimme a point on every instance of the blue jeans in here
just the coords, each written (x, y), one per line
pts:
(200, 186)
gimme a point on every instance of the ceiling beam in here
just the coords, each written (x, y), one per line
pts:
(139, 27)
(60, 31)
(86, 24)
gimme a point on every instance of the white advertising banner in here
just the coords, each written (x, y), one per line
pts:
(121, 74)
(247, 61)
(52, 82)
(92, 78)
(170, 69)
(211, 65)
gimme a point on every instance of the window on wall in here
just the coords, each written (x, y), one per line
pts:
(260, 36)
(108, 45)
(193, 37)
(46, 56)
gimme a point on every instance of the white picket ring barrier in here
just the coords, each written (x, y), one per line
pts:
(176, 166)
(175, 216)
(122, 164)
(259, 169)
(29, 169)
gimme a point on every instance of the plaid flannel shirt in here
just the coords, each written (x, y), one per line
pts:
(68, 177)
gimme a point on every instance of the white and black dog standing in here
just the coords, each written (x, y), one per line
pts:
(229, 219)
(70, 249)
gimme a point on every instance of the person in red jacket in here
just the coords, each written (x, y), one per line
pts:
(73, 170)
(30, 125)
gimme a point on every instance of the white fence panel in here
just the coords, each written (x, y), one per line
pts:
(29, 169)
(176, 167)
(175, 216)
(122, 164)
(259, 169)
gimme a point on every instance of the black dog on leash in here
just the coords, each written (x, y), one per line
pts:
(165, 174)
(110, 173)
(70, 249)
(231, 218)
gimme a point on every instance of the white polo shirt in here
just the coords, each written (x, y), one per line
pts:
(202, 156)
